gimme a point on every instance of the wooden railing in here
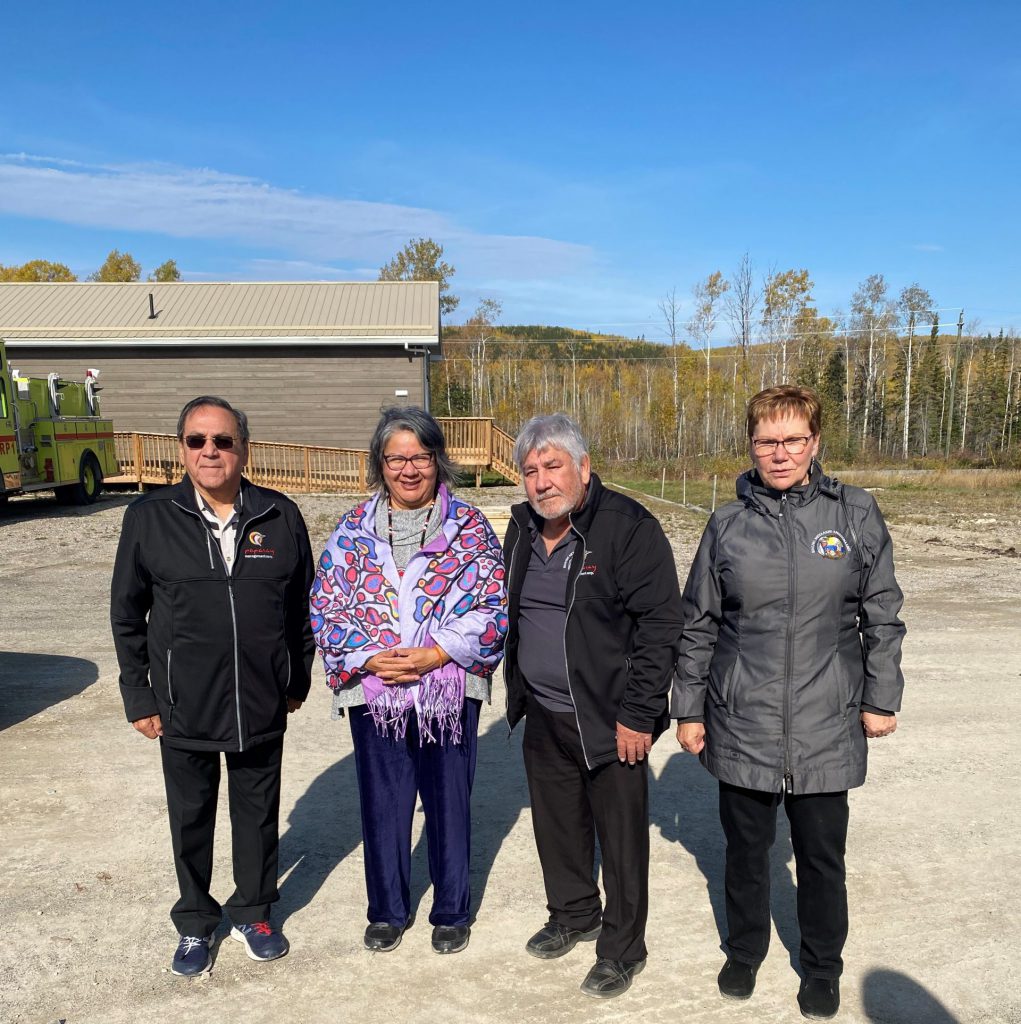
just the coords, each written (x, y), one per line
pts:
(503, 455)
(474, 444)
(153, 459)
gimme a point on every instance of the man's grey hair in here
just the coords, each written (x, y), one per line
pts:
(220, 403)
(430, 437)
(555, 431)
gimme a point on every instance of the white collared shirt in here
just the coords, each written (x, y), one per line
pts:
(224, 530)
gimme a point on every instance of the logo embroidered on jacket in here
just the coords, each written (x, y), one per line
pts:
(830, 544)
(258, 548)
(588, 568)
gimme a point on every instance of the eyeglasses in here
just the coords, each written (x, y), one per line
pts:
(196, 442)
(419, 461)
(792, 445)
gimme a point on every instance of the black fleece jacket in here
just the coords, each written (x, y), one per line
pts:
(215, 654)
(623, 619)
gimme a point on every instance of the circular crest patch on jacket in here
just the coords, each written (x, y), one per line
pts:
(830, 544)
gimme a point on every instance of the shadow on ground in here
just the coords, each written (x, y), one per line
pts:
(30, 683)
(323, 828)
(684, 805)
(890, 997)
(44, 505)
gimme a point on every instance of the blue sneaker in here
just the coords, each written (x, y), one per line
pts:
(262, 941)
(192, 956)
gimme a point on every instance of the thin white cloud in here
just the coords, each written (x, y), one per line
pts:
(927, 247)
(202, 203)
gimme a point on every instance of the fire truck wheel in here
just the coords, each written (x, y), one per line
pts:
(90, 480)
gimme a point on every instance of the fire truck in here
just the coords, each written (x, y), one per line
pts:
(52, 436)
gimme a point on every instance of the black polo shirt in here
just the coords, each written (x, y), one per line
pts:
(542, 621)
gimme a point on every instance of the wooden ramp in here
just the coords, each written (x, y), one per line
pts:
(475, 444)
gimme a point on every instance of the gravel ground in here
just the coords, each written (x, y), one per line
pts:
(87, 880)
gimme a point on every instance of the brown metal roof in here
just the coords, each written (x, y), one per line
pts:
(359, 312)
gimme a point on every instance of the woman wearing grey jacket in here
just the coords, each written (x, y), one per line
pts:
(790, 658)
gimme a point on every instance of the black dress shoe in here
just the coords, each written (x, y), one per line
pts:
(553, 940)
(450, 938)
(609, 978)
(737, 979)
(381, 937)
(819, 998)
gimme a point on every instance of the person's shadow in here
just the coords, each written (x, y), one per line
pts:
(30, 683)
(890, 997)
(684, 805)
(324, 827)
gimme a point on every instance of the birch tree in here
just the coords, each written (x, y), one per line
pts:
(707, 296)
(915, 305)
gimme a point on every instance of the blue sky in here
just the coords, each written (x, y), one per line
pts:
(577, 161)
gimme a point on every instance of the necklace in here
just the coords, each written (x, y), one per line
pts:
(390, 522)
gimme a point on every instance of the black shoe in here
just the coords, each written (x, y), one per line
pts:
(819, 998)
(737, 979)
(450, 938)
(609, 978)
(192, 956)
(381, 937)
(553, 940)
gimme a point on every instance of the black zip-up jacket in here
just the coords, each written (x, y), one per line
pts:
(214, 654)
(623, 619)
(791, 626)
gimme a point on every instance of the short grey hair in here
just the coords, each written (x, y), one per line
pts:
(219, 403)
(430, 437)
(555, 431)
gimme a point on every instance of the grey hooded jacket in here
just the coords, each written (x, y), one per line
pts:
(790, 626)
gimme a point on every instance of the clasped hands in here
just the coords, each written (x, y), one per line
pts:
(406, 664)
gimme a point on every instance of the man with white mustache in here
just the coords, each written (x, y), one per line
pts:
(594, 624)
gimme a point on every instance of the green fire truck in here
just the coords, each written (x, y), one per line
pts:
(52, 436)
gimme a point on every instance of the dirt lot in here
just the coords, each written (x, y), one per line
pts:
(86, 880)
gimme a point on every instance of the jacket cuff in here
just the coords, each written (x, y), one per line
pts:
(139, 702)
(638, 724)
(877, 711)
(697, 719)
(298, 689)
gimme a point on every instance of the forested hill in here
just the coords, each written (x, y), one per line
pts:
(888, 392)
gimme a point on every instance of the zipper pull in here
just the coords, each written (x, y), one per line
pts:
(783, 504)
(788, 783)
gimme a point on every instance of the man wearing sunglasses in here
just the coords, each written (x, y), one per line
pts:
(209, 613)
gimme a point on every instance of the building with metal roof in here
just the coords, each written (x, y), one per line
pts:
(310, 362)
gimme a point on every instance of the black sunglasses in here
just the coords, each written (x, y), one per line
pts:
(196, 442)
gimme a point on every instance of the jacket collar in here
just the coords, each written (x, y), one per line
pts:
(254, 501)
(753, 492)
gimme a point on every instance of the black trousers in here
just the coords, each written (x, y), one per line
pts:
(192, 779)
(819, 835)
(570, 807)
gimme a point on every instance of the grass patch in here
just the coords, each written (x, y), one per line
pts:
(697, 492)
(955, 497)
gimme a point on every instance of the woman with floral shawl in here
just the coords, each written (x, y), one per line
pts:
(409, 612)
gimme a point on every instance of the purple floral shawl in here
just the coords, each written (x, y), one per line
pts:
(452, 594)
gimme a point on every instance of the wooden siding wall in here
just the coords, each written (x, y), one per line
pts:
(300, 395)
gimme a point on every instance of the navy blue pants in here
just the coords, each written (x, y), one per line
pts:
(392, 773)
